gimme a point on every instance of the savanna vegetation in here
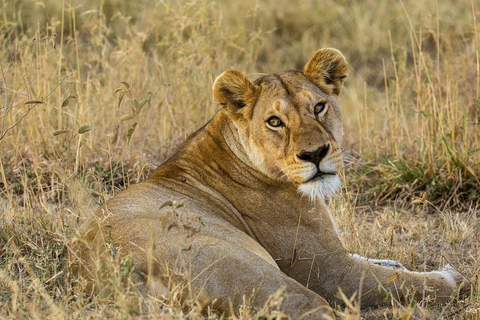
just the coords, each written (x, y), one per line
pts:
(95, 94)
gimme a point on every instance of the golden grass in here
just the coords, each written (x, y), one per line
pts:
(411, 106)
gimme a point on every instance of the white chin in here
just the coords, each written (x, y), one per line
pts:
(322, 188)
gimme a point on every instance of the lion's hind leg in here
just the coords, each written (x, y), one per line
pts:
(221, 274)
(439, 285)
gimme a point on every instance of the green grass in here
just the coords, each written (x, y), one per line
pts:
(411, 107)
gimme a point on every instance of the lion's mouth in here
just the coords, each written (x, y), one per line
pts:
(320, 175)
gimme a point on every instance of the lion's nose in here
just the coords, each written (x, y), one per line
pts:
(314, 156)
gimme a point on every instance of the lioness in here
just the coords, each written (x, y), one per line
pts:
(253, 182)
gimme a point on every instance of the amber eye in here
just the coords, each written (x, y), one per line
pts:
(275, 122)
(319, 108)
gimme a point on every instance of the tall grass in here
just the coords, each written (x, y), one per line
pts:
(430, 139)
(95, 94)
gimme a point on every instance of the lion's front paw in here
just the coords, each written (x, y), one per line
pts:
(381, 262)
(389, 264)
(454, 278)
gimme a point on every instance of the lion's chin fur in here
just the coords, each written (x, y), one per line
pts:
(321, 188)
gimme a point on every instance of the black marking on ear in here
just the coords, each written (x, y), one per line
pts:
(239, 104)
(227, 93)
(328, 75)
(327, 79)
(232, 98)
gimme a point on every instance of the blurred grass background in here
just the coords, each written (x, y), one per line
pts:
(410, 105)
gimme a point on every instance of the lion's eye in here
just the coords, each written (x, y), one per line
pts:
(319, 108)
(275, 122)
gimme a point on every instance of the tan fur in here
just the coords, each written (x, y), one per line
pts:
(250, 220)
(327, 69)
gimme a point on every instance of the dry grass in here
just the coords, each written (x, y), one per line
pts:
(411, 108)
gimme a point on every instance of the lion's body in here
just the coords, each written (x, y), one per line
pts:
(252, 214)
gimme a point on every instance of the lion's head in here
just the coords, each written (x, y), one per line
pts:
(289, 123)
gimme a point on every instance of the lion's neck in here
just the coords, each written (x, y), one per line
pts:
(232, 138)
(219, 157)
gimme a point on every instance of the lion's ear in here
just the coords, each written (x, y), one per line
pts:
(233, 88)
(327, 69)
